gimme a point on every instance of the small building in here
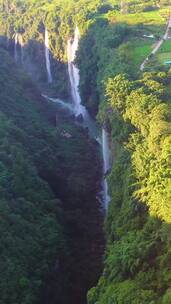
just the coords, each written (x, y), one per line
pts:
(149, 36)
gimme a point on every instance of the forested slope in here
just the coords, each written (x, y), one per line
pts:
(45, 201)
(133, 107)
(138, 224)
(136, 110)
(32, 240)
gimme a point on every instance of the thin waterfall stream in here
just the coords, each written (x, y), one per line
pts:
(106, 166)
(18, 48)
(80, 110)
(47, 57)
(15, 48)
(74, 77)
(60, 102)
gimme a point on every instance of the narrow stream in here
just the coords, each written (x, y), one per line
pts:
(106, 166)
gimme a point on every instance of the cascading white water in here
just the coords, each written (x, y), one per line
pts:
(79, 109)
(106, 166)
(74, 77)
(74, 74)
(15, 48)
(19, 54)
(59, 102)
(106, 151)
(47, 57)
(21, 43)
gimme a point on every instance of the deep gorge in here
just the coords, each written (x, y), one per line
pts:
(84, 152)
(82, 209)
(75, 266)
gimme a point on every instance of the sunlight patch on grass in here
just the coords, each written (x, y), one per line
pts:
(147, 18)
(162, 57)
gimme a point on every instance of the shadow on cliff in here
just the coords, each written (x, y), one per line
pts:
(31, 57)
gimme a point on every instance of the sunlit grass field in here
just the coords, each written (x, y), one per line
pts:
(158, 17)
(152, 22)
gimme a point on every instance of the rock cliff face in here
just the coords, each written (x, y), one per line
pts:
(31, 56)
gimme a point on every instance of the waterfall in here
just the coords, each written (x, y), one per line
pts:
(19, 54)
(106, 165)
(79, 109)
(47, 57)
(106, 151)
(60, 102)
(21, 43)
(15, 48)
(74, 78)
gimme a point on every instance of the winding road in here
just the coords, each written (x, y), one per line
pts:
(158, 45)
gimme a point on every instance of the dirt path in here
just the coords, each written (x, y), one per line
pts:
(157, 46)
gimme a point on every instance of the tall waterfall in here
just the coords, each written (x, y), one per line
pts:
(106, 165)
(74, 75)
(79, 109)
(19, 53)
(47, 57)
(74, 78)
(15, 48)
(21, 43)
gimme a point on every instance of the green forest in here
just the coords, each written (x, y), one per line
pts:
(58, 245)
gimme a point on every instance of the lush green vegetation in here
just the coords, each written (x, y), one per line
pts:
(141, 51)
(164, 53)
(137, 113)
(147, 18)
(31, 236)
(138, 225)
(49, 175)
(166, 47)
(47, 198)
(136, 6)
(29, 18)
(115, 48)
